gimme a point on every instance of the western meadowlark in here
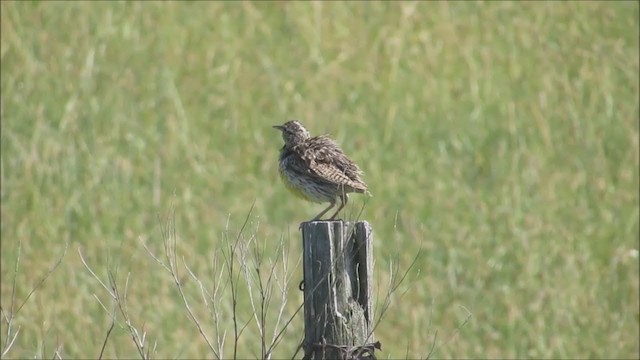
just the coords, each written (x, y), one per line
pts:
(316, 169)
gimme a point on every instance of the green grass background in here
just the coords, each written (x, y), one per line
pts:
(501, 138)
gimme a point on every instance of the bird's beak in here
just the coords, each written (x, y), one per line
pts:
(279, 127)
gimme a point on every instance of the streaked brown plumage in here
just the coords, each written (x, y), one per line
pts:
(316, 169)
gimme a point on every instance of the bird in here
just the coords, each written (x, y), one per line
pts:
(316, 169)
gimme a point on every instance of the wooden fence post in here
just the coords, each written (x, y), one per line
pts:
(338, 315)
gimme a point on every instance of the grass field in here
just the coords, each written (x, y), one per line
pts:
(499, 138)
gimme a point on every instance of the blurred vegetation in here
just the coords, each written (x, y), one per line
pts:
(499, 138)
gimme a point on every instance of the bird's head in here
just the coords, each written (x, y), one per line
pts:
(292, 132)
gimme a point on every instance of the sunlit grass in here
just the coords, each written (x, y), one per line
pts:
(501, 138)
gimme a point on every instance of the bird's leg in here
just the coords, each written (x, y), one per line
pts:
(343, 201)
(333, 203)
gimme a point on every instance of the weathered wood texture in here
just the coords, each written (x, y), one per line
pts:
(338, 264)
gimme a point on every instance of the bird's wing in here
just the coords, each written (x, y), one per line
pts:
(325, 158)
(333, 174)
